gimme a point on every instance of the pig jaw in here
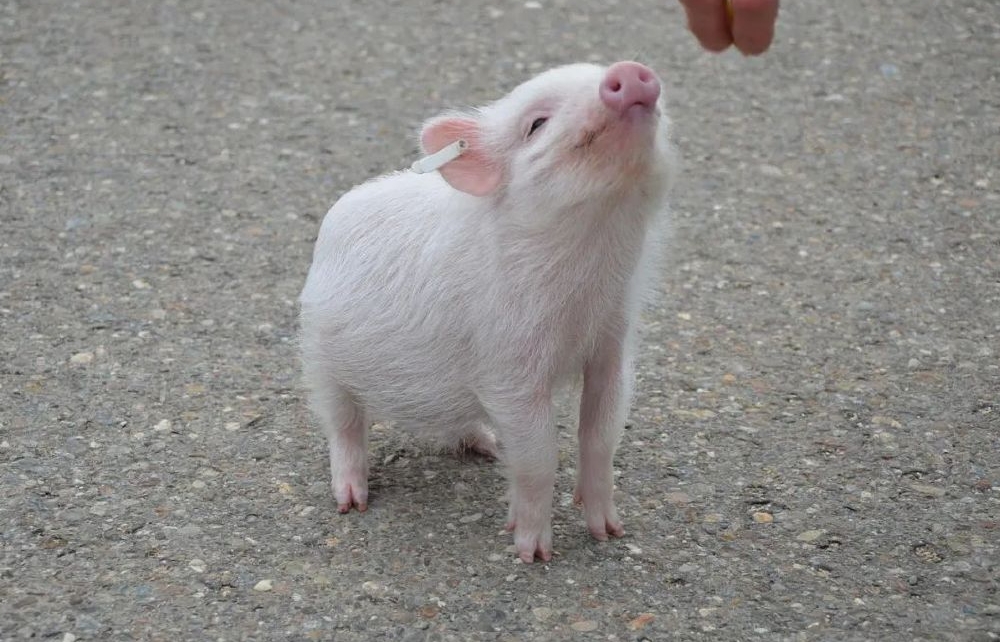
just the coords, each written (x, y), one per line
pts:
(609, 162)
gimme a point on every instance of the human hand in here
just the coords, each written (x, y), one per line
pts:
(749, 25)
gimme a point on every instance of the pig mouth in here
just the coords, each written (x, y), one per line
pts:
(590, 136)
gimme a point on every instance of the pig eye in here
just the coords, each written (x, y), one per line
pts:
(538, 122)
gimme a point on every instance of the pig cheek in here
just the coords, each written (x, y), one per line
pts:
(564, 173)
(565, 180)
(533, 173)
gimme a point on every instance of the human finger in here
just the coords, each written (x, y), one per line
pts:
(708, 21)
(753, 25)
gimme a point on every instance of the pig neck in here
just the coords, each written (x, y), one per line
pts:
(584, 245)
(573, 272)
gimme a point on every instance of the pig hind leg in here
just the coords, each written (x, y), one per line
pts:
(465, 438)
(479, 440)
(346, 427)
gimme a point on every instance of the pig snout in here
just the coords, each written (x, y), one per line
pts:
(627, 84)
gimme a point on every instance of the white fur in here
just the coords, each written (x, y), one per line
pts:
(448, 312)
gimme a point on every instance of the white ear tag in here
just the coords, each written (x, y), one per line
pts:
(438, 159)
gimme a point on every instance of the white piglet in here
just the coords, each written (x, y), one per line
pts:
(458, 300)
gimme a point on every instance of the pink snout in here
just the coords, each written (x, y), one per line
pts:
(627, 84)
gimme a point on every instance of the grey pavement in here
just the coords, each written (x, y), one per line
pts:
(814, 447)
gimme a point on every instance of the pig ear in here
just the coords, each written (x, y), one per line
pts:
(475, 171)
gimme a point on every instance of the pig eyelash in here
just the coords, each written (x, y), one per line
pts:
(536, 125)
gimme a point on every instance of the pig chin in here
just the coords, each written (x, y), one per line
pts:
(619, 144)
(630, 132)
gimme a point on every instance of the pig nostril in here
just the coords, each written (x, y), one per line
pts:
(627, 84)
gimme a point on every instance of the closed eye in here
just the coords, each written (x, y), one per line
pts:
(538, 122)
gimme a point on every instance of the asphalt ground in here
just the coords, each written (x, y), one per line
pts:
(814, 447)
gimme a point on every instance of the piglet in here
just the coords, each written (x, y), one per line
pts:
(457, 301)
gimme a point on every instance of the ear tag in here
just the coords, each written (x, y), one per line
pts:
(440, 158)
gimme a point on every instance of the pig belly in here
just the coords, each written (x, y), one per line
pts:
(389, 375)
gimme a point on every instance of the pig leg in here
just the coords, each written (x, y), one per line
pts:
(603, 411)
(531, 452)
(480, 441)
(346, 428)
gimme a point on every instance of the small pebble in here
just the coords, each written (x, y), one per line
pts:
(927, 489)
(889, 70)
(197, 565)
(468, 519)
(263, 586)
(163, 425)
(633, 549)
(584, 625)
(82, 358)
(677, 497)
(763, 518)
(641, 622)
(810, 536)
(542, 613)
(882, 420)
(374, 590)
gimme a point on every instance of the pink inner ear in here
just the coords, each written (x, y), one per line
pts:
(475, 171)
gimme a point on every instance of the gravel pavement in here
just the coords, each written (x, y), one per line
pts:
(814, 446)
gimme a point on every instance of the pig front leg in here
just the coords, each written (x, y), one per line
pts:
(531, 453)
(607, 378)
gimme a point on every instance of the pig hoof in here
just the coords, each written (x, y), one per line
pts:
(601, 517)
(530, 546)
(351, 495)
(528, 551)
(603, 528)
